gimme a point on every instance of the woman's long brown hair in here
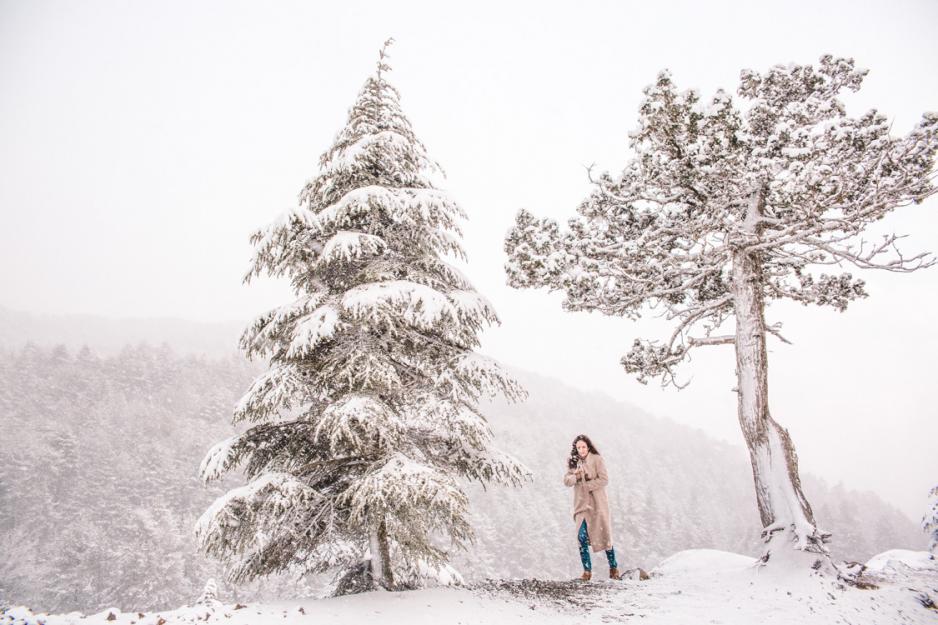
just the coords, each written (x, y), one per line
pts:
(574, 454)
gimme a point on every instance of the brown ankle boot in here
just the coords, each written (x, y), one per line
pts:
(586, 576)
(614, 573)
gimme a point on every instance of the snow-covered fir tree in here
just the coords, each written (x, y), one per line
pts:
(930, 520)
(367, 420)
(209, 594)
(728, 204)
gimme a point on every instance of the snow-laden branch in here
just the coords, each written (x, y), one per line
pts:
(664, 232)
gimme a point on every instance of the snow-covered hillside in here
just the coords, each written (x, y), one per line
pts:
(120, 532)
(690, 587)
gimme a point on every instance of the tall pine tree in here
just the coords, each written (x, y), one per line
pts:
(367, 420)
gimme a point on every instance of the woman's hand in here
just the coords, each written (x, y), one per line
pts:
(580, 473)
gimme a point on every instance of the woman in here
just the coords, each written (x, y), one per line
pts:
(586, 473)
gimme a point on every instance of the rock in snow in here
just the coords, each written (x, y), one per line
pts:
(703, 561)
(895, 558)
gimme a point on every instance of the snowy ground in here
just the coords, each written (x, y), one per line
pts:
(692, 587)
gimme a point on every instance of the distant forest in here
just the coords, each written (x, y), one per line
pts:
(99, 493)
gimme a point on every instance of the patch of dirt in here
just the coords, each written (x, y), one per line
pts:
(563, 594)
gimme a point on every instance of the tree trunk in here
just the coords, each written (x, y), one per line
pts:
(786, 514)
(381, 557)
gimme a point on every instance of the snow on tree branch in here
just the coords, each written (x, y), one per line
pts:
(218, 460)
(660, 236)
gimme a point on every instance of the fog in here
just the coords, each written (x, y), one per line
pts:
(143, 142)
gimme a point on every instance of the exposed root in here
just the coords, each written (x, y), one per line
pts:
(807, 548)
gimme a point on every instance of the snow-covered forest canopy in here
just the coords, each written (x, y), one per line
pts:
(99, 492)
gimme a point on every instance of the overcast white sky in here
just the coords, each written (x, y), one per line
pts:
(140, 143)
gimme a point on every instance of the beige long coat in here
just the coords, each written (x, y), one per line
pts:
(590, 501)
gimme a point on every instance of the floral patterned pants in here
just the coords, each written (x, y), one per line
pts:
(585, 551)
